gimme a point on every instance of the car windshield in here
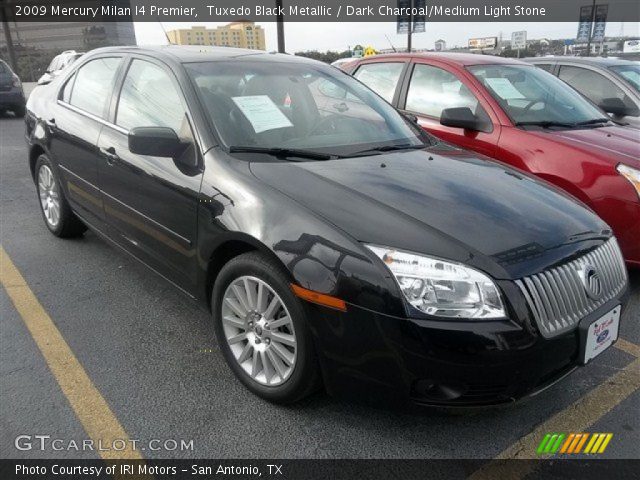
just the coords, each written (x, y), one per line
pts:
(298, 106)
(531, 96)
(631, 73)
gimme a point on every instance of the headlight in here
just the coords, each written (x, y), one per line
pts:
(630, 174)
(441, 288)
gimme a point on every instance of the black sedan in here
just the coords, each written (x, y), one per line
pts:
(334, 241)
(11, 92)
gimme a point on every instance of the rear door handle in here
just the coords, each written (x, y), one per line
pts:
(110, 155)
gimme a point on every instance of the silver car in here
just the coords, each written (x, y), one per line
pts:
(611, 83)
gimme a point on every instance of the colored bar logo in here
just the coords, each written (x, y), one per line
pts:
(573, 443)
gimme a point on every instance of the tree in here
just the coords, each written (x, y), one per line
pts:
(329, 56)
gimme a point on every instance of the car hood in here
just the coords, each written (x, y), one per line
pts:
(443, 202)
(620, 144)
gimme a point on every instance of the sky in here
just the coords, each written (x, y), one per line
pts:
(301, 36)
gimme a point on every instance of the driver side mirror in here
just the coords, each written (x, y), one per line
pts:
(155, 142)
(460, 117)
(616, 106)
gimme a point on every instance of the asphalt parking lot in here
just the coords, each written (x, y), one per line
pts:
(150, 354)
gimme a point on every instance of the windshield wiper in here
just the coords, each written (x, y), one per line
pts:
(391, 148)
(545, 124)
(283, 152)
(594, 121)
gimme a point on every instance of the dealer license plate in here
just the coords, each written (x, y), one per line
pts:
(601, 334)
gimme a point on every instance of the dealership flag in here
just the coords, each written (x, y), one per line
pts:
(584, 27)
(600, 23)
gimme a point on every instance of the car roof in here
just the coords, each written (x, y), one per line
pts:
(605, 62)
(454, 58)
(203, 53)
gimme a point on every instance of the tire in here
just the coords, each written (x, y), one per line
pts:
(19, 111)
(288, 383)
(64, 224)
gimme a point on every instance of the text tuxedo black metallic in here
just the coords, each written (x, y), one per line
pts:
(335, 242)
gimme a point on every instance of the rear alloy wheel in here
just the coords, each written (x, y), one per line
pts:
(262, 331)
(56, 212)
(49, 196)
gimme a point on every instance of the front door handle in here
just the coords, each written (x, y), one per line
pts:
(110, 154)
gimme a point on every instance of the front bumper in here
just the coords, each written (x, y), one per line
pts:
(364, 355)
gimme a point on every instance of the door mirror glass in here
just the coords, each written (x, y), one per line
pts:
(155, 142)
(615, 106)
(460, 117)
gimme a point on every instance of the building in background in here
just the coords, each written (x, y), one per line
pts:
(440, 45)
(37, 43)
(236, 34)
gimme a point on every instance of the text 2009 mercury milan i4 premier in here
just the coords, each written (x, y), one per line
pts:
(336, 243)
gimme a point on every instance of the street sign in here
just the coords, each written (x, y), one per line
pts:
(403, 20)
(600, 23)
(519, 40)
(419, 20)
(584, 27)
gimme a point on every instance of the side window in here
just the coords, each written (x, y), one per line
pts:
(149, 99)
(93, 85)
(382, 78)
(594, 86)
(433, 89)
(547, 67)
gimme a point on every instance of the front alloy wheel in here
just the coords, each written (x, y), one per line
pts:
(259, 330)
(262, 329)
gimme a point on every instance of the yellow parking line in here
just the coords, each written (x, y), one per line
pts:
(88, 404)
(628, 347)
(577, 417)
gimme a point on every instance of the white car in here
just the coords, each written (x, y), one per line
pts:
(58, 64)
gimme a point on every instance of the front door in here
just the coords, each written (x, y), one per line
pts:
(150, 202)
(431, 89)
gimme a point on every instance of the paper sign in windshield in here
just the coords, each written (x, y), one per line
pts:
(262, 113)
(504, 88)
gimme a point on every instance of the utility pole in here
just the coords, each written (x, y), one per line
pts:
(7, 36)
(409, 29)
(593, 18)
(280, 26)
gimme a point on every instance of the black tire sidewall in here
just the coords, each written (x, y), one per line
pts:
(304, 377)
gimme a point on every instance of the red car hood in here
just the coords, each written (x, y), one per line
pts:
(619, 144)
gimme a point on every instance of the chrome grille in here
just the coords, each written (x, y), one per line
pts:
(558, 297)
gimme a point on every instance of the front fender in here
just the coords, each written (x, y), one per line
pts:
(318, 255)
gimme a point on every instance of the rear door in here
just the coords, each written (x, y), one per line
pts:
(151, 203)
(75, 121)
(429, 89)
(383, 77)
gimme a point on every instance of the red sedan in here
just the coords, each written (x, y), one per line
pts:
(525, 117)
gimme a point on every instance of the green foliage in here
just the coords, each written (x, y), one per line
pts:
(329, 56)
